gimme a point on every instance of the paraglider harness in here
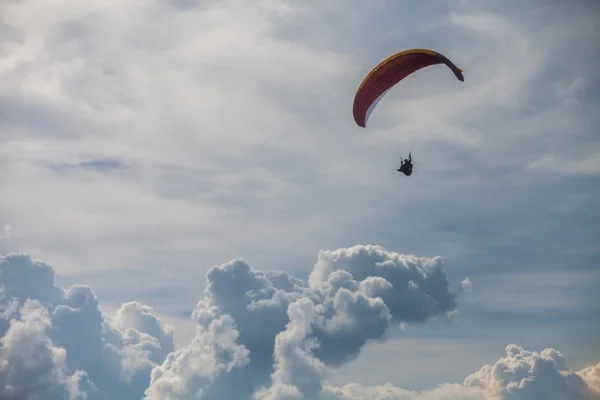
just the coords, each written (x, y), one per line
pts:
(406, 166)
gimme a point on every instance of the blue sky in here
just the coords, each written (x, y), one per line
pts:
(145, 142)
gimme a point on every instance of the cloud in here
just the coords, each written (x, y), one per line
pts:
(390, 392)
(6, 232)
(255, 329)
(224, 129)
(31, 366)
(591, 375)
(114, 355)
(466, 285)
(24, 278)
(136, 120)
(521, 375)
(297, 373)
(189, 371)
(353, 296)
(524, 374)
(262, 335)
(589, 164)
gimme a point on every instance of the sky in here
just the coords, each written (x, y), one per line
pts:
(189, 211)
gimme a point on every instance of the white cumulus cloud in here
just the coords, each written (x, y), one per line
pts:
(261, 335)
(59, 335)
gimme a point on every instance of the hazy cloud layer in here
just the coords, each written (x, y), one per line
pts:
(137, 119)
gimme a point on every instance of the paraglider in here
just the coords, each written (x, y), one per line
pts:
(406, 166)
(386, 75)
(391, 71)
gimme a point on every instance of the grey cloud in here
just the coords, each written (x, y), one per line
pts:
(23, 277)
(354, 295)
(116, 355)
(187, 372)
(348, 321)
(31, 366)
(106, 165)
(139, 317)
(261, 335)
(8, 306)
(297, 372)
(420, 287)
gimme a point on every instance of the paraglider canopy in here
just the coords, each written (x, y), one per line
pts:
(391, 71)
